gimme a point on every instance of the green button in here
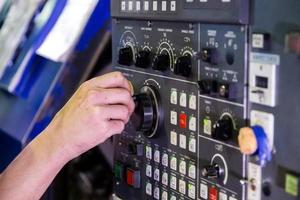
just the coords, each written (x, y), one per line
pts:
(291, 185)
(118, 171)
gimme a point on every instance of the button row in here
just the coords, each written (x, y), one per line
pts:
(183, 188)
(183, 99)
(173, 165)
(212, 193)
(131, 6)
(183, 141)
(183, 118)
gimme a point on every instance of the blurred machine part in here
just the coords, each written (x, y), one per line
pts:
(202, 71)
(46, 85)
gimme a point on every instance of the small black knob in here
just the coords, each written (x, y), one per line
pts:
(208, 86)
(224, 90)
(223, 128)
(161, 62)
(126, 56)
(143, 59)
(209, 55)
(212, 171)
(183, 66)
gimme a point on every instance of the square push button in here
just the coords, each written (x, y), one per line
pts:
(213, 193)
(173, 97)
(149, 189)
(173, 119)
(133, 178)
(118, 171)
(182, 120)
(292, 185)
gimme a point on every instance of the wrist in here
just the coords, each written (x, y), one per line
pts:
(52, 146)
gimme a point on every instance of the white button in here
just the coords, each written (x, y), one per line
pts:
(173, 117)
(207, 126)
(203, 191)
(232, 198)
(156, 193)
(155, 6)
(123, 5)
(165, 160)
(130, 5)
(173, 182)
(157, 156)
(138, 6)
(173, 6)
(146, 6)
(173, 198)
(182, 186)
(163, 6)
(173, 137)
(193, 102)
(164, 195)
(192, 171)
(182, 167)
(173, 97)
(148, 152)
(149, 171)
(258, 41)
(182, 141)
(182, 99)
(156, 174)
(149, 189)
(191, 191)
(192, 124)
(192, 145)
(173, 163)
(222, 196)
(164, 179)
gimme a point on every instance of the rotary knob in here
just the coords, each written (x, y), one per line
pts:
(161, 62)
(143, 59)
(209, 55)
(147, 113)
(212, 171)
(126, 56)
(223, 128)
(183, 66)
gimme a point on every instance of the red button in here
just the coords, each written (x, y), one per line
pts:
(182, 120)
(213, 193)
(130, 177)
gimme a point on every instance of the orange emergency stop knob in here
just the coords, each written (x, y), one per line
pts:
(247, 141)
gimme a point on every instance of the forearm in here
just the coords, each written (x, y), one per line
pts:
(30, 174)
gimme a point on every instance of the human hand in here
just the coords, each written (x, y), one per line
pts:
(99, 109)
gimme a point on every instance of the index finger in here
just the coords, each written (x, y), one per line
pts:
(112, 80)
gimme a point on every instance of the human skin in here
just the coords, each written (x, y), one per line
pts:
(99, 109)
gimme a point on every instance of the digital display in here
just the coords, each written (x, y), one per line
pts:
(261, 82)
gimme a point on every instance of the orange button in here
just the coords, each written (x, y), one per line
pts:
(182, 120)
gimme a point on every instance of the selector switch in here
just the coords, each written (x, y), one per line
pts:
(208, 86)
(212, 171)
(183, 66)
(161, 62)
(223, 128)
(126, 56)
(209, 55)
(143, 59)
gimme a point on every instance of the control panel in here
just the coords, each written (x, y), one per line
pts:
(206, 80)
